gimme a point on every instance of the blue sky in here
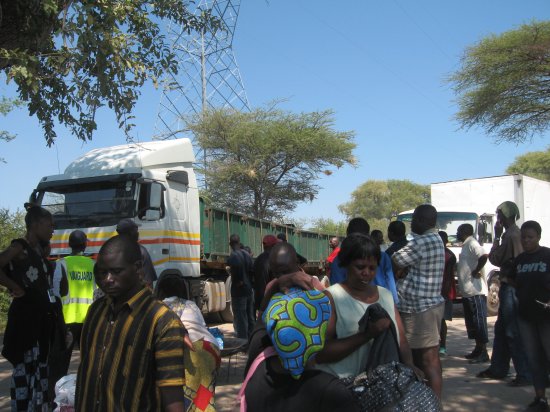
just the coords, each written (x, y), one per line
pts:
(380, 66)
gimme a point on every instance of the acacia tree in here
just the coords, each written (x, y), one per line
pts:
(378, 200)
(503, 84)
(70, 57)
(534, 164)
(265, 161)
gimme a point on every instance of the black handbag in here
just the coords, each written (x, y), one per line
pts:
(392, 387)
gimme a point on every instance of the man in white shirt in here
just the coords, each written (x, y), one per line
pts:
(473, 287)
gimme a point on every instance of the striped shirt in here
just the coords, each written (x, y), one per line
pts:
(128, 355)
(421, 288)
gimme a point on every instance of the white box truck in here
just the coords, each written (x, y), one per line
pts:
(475, 201)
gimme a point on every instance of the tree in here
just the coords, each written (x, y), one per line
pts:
(383, 199)
(534, 164)
(264, 162)
(329, 226)
(68, 58)
(503, 83)
(6, 106)
(12, 226)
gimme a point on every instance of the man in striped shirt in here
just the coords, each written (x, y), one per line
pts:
(132, 344)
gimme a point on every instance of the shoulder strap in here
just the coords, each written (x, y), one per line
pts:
(266, 353)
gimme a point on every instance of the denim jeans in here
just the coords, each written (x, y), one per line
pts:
(536, 339)
(243, 315)
(507, 343)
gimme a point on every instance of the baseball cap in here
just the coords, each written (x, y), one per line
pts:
(269, 240)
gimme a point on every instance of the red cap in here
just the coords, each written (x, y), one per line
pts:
(269, 240)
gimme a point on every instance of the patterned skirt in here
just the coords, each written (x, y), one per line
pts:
(201, 369)
(29, 384)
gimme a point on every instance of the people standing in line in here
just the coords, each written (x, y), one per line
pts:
(448, 291)
(261, 269)
(33, 313)
(419, 266)
(242, 294)
(507, 341)
(397, 235)
(384, 272)
(202, 358)
(334, 245)
(532, 280)
(77, 272)
(129, 321)
(472, 284)
(128, 227)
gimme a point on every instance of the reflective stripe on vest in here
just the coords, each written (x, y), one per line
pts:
(80, 276)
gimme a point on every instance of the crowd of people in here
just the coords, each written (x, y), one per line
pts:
(145, 346)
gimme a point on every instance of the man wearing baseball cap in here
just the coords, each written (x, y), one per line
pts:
(127, 227)
(261, 269)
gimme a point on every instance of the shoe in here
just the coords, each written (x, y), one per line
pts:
(487, 374)
(539, 404)
(474, 354)
(482, 358)
(442, 351)
(517, 382)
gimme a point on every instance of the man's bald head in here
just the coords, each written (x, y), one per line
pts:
(283, 259)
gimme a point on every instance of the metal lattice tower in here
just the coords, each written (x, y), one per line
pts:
(208, 73)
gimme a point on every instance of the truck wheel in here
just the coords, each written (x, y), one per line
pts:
(492, 297)
(227, 313)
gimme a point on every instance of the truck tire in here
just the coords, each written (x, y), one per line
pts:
(227, 313)
(492, 297)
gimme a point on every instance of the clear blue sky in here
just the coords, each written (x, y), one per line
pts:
(379, 65)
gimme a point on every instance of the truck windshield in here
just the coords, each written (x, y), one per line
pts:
(446, 221)
(90, 204)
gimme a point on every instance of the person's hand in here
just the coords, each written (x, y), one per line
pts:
(376, 328)
(17, 292)
(187, 342)
(400, 273)
(498, 228)
(300, 279)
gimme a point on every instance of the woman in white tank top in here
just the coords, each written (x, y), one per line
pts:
(346, 349)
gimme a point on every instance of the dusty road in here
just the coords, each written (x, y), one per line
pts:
(462, 391)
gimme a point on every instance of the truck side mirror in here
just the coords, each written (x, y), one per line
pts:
(155, 196)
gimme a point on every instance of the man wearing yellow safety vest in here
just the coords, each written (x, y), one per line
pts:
(78, 271)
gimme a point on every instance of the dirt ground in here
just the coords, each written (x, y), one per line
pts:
(462, 391)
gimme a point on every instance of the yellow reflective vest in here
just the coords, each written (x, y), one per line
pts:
(80, 276)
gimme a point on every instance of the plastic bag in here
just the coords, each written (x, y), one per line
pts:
(218, 335)
(64, 393)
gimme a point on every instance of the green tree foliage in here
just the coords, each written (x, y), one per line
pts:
(68, 58)
(264, 162)
(534, 164)
(12, 226)
(6, 106)
(329, 226)
(383, 199)
(503, 83)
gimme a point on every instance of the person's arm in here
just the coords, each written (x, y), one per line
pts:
(5, 258)
(336, 349)
(283, 283)
(64, 282)
(480, 263)
(172, 398)
(404, 258)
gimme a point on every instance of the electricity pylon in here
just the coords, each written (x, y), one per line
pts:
(208, 75)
